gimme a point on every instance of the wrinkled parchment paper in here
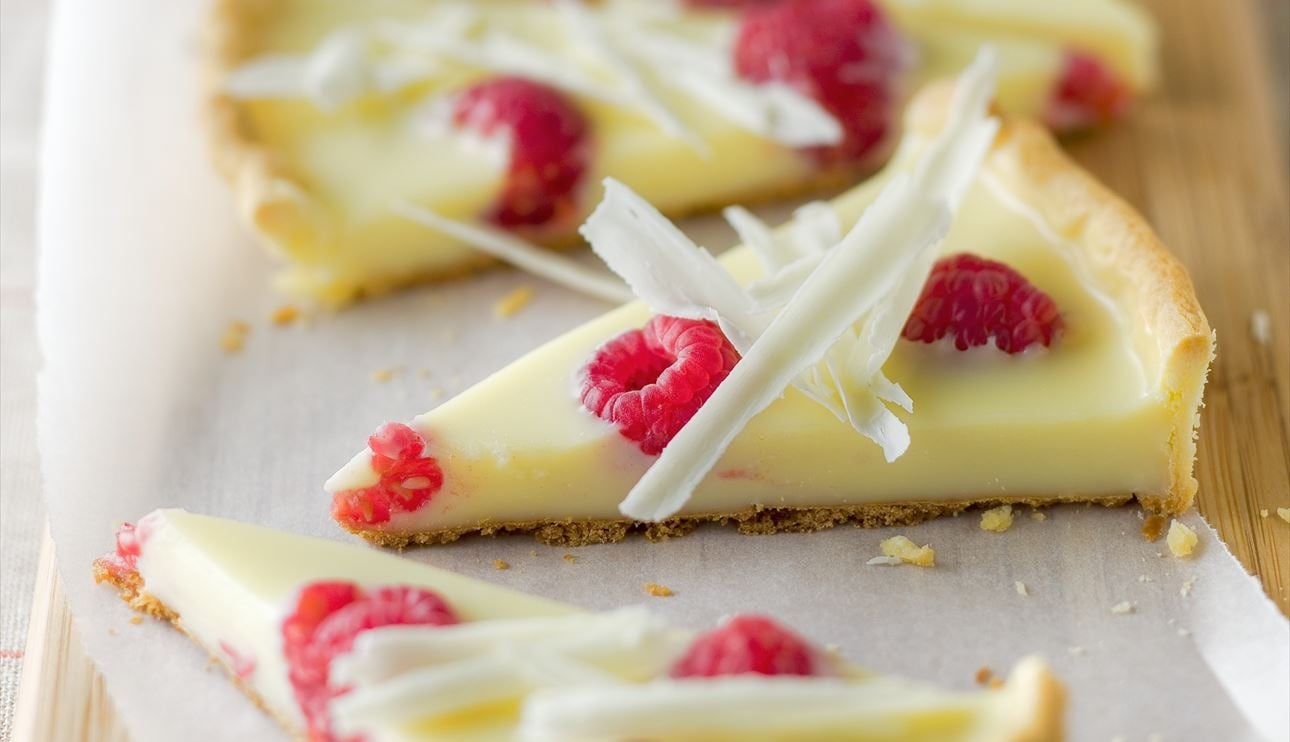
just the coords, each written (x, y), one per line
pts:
(142, 268)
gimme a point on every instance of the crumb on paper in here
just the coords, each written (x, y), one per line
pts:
(1183, 632)
(1187, 586)
(112, 631)
(900, 547)
(1076, 651)
(382, 375)
(1144, 578)
(284, 315)
(570, 558)
(884, 561)
(1021, 589)
(1264, 513)
(511, 304)
(1284, 514)
(136, 620)
(1122, 608)
(657, 590)
(1038, 515)
(1261, 327)
(1153, 527)
(501, 564)
(996, 683)
(532, 552)
(234, 337)
(997, 519)
(984, 675)
(436, 393)
(1182, 539)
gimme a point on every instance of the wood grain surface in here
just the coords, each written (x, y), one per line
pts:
(1205, 160)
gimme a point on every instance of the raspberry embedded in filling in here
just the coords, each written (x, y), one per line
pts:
(322, 625)
(650, 382)
(976, 300)
(747, 644)
(408, 479)
(548, 149)
(123, 561)
(1086, 94)
(843, 54)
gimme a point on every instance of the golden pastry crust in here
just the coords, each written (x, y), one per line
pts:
(753, 520)
(279, 209)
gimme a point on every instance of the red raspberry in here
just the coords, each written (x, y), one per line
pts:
(841, 53)
(326, 618)
(549, 148)
(1086, 94)
(408, 479)
(975, 299)
(124, 559)
(650, 382)
(747, 644)
(726, 4)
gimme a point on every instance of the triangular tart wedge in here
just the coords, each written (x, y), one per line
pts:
(338, 642)
(1103, 410)
(328, 115)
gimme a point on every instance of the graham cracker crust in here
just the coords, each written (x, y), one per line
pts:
(758, 520)
(130, 588)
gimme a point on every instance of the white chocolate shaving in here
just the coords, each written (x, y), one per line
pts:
(873, 275)
(521, 254)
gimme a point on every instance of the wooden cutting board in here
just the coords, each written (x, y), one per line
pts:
(1204, 159)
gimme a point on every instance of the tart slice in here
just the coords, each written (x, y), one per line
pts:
(982, 323)
(339, 642)
(328, 115)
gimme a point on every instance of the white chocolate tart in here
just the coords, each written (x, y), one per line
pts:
(327, 115)
(335, 641)
(1106, 413)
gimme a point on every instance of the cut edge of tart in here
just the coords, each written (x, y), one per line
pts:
(432, 654)
(1156, 310)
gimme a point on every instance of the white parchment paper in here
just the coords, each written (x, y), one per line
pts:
(143, 266)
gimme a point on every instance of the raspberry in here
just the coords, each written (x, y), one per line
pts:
(326, 618)
(124, 559)
(747, 644)
(650, 382)
(975, 299)
(408, 479)
(1086, 94)
(841, 53)
(549, 151)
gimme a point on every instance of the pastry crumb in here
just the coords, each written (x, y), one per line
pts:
(901, 548)
(1021, 589)
(112, 631)
(997, 519)
(984, 675)
(1182, 539)
(136, 620)
(501, 564)
(996, 683)
(1076, 651)
(234, 337)
(1187, 586)
(1264, 513)
(511, 304)
(1183, 632)
(1284, 514)
(884, 561)
(1144, 578)
(1153, 527)
(1122, 608)
(436, 393)
(1261, 327)
(570, 558)
(382, 375)
(284, 315)
(1038, 515)
(657, 590)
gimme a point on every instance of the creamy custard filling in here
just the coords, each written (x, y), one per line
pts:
(1079, 419)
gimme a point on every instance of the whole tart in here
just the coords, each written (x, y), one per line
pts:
(327, 116)
(1049, 350)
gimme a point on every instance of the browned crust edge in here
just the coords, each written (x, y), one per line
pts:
(759, 520)
(284, 217)
(130, 588)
